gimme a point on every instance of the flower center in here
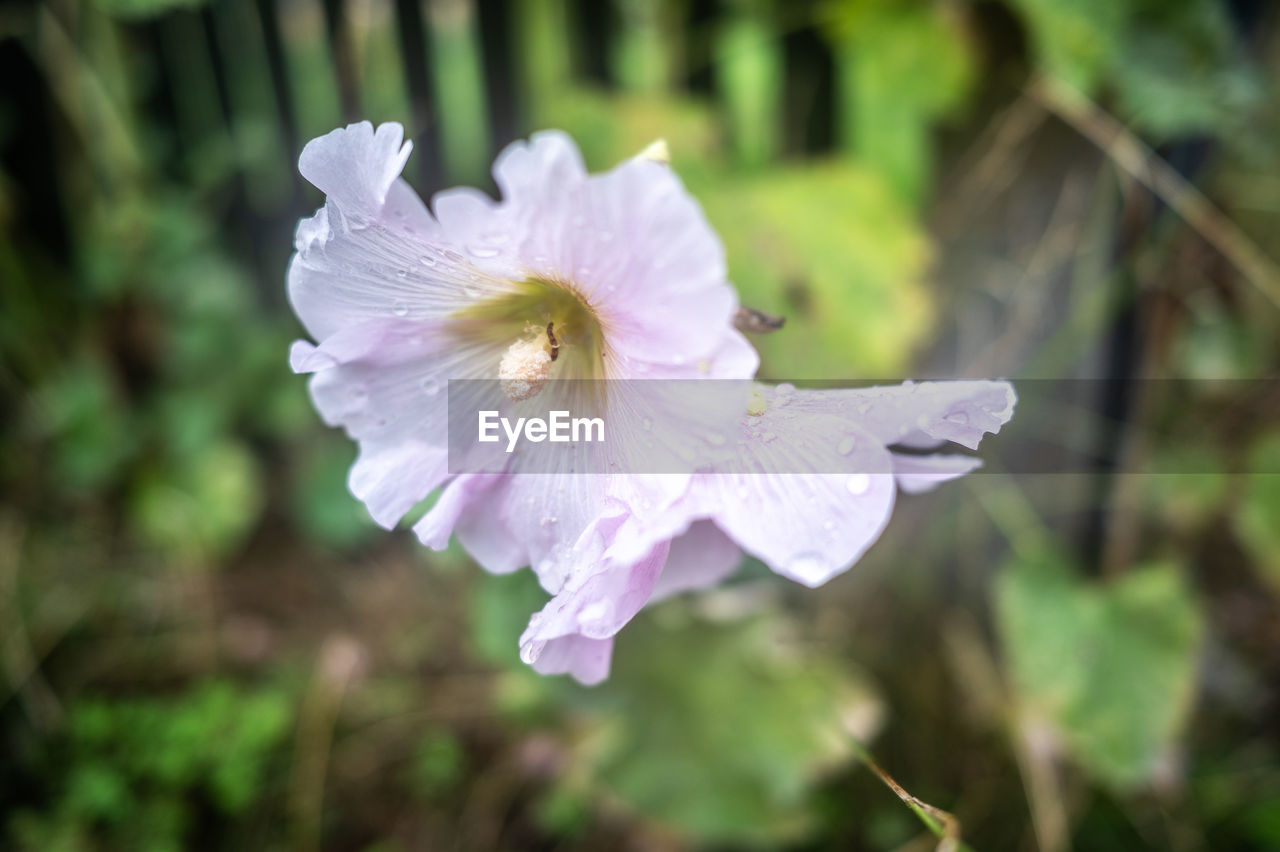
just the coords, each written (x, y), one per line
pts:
(526, 365)
(546, 327)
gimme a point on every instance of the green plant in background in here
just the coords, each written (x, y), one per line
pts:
(154, 426)
(712, 722)
(1174, 66)
(901, 68)
(143, 773)
(1256, 518)
(1108, 672)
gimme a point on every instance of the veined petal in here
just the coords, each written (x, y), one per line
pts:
(699, 559)
(384, 382)
(355, 165)
(585, 660)
(373, 251)
(391, 477)
(528, 172)
(924, 413)
(917, 474)
(813, 491)
(595, 606)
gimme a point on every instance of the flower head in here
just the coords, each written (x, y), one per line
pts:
(615, 276)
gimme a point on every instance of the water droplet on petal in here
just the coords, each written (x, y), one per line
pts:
(400, 309)
(482, 251)
(431, 385)
(784, 389)
(401, 273)
(864, 408)
(427, 260)
(847, 445)
(958, 417)
(858, 483)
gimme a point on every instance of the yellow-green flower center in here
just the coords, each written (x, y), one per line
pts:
(538, 316)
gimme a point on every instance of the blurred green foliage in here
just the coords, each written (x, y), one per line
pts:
(177, 542)
(1110, 671)
(137, 773)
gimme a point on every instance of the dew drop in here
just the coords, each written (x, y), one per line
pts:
(400, 309)
(401, 273)
(482, 251)
(846, 446)
(431, 385)
(858, 483)
(428, 260)
(958, 417)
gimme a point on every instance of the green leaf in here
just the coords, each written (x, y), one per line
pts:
(1256, 520)
(899, 66)
(1076, 41)
(831, 247)
(1180, 70)
(715, 730)
(1111, 669)
(201, 506)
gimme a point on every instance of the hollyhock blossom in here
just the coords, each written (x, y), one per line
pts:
(614, 276)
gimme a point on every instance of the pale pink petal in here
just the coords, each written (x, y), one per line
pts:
(585, 660)
(595, 606)
(924, 413)
(527, 172)
(700, 558)
(918, 474)
(373, 251)
(355, 166)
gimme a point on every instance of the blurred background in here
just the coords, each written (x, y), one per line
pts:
(206, 644)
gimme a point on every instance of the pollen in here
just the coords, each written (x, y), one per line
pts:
(524, 368)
